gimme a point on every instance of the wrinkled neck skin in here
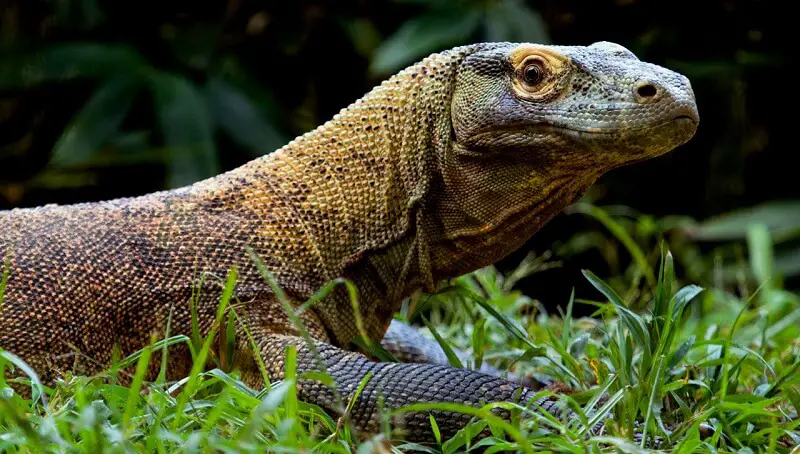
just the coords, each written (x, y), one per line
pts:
(489, 205)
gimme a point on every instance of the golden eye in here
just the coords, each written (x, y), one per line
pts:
(533, 73)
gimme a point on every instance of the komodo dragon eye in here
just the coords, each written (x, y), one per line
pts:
(533, 73)
(537, 72)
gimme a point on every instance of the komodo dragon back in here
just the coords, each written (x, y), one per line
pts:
(446, 167)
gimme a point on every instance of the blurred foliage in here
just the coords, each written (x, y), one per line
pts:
(198, 88)
(185, 113)
(102, 99)
(446, 24)
(746, 249)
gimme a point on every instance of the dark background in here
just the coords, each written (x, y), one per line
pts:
(110, 98)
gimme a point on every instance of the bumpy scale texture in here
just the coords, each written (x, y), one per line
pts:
(444, 168)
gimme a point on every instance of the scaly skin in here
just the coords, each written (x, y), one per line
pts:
(446, 167)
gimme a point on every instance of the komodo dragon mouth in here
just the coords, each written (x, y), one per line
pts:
(679, 122)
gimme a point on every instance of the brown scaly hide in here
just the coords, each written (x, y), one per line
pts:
(93, 275)
(446, 167)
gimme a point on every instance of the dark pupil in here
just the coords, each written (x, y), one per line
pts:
(533, 75)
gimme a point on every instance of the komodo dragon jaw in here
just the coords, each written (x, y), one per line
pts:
(446, 167)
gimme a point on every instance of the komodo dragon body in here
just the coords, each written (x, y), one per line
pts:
(444, 168)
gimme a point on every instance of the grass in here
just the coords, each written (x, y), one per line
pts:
(699, 366)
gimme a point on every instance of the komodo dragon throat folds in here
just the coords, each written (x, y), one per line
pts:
(444, 168)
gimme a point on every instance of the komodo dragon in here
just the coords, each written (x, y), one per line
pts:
(444, 168)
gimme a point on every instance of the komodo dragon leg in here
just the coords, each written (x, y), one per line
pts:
(391, 385)
(398, 384)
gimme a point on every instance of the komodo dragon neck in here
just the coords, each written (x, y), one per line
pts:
(350, 193)
(356, 193)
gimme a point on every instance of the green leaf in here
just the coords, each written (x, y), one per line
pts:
(496, 26)
(136, 387)
(186, 125)
(759, 245)
(599, 394)
(478, 342)
(359, 389)
(242, 119)
(666, 276)
(96, 122)
(682, 297)
(452, 358)
(572, 367)
(463, 436)
(567, 330)
(785, 376)
(227, 350)
(290, 375)
(195, 375)
(69, 61)
(435, 427)
(526, 22)
(363, 35)
(532, 352)
(604, 410)
(510, 325)
(680, 353)
(632, 321)
(233, 74)
(162, 345)
(375, 350)
(37, 389)
(654, 403)
(422, 35)
(577, 346)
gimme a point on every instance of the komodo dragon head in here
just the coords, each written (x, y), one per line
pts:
(532, 127)
(585, 106)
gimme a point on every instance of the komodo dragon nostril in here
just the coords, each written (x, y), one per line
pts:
(646, 91)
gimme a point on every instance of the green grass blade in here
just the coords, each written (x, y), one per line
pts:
(452, 358)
